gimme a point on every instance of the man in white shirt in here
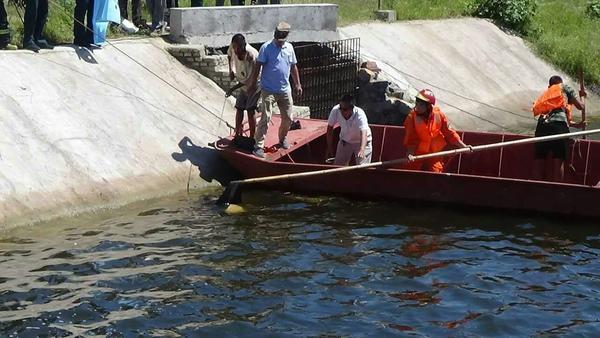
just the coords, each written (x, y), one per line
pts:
(242, 58)
(355, 134)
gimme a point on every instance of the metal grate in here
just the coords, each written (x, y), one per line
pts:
(328, 70)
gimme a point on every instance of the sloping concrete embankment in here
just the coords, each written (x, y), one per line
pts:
(471, 57)
(81, 130)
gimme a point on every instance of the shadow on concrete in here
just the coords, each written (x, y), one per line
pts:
(210, 165)
(85, 54)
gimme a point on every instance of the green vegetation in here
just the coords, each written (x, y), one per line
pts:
(565, 36)
(562, 32)
(593, 9)
(59, 28)
(513, 14)
(566, 33)
(352, 11)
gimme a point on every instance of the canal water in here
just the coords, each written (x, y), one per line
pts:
(300, 266)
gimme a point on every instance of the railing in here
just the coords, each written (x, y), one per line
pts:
(328, 70)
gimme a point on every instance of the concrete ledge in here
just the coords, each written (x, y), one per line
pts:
(214, 26)
(386, 15)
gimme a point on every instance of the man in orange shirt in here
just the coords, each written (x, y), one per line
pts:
(554, 112)
(427, 131)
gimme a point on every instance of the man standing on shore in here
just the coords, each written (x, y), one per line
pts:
(5, 30)
(83, 23)
(277, 59)
(36, 13)
(136, 10)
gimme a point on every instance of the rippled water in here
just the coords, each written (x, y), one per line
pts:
(300, 266)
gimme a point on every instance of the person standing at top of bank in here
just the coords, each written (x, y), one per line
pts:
(5, 30)
(276, 59)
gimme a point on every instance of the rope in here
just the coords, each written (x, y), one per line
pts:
(458, 108)
(456, 94)
(68, 15)
(141, 99)
(65, 13)
(479, 117)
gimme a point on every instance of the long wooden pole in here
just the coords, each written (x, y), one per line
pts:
(582, 98)
(412, 158)
(232, 192)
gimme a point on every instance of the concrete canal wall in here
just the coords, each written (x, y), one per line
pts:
(471, 57)
(214, 26)
(81, 130)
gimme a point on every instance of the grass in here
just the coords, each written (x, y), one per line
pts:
(567, 38)
(561, 33)
(59, 27)
(352, 11)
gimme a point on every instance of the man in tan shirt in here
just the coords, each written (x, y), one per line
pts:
(242, 58)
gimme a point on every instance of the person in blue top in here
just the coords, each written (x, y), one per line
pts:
(277, 59)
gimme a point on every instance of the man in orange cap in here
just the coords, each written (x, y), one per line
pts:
(427, 131)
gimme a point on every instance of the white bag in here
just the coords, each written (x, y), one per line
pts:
(128, 26)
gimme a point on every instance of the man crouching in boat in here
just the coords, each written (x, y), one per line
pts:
(554, 110)
(427, 131)
(355, 134)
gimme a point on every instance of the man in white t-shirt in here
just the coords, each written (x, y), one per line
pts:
(242, 58)
(355, 134)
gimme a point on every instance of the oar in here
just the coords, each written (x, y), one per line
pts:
(232, 193)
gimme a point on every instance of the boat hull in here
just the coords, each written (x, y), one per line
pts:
(425, 187)
(462, 186)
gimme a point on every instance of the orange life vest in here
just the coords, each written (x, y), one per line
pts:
(428, 136)
(552, 99)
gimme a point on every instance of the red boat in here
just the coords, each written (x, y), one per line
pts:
(499, 178)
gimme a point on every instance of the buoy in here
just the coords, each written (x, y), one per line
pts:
(235, 209)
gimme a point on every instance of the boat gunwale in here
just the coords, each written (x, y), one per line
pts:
(317, 166)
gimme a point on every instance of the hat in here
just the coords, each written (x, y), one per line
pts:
(282, 30)
(427, 96)
(283, 27)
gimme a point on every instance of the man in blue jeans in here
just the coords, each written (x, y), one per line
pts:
(277, 59)
(36, 13)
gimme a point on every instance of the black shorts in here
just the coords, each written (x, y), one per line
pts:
(558, 148)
